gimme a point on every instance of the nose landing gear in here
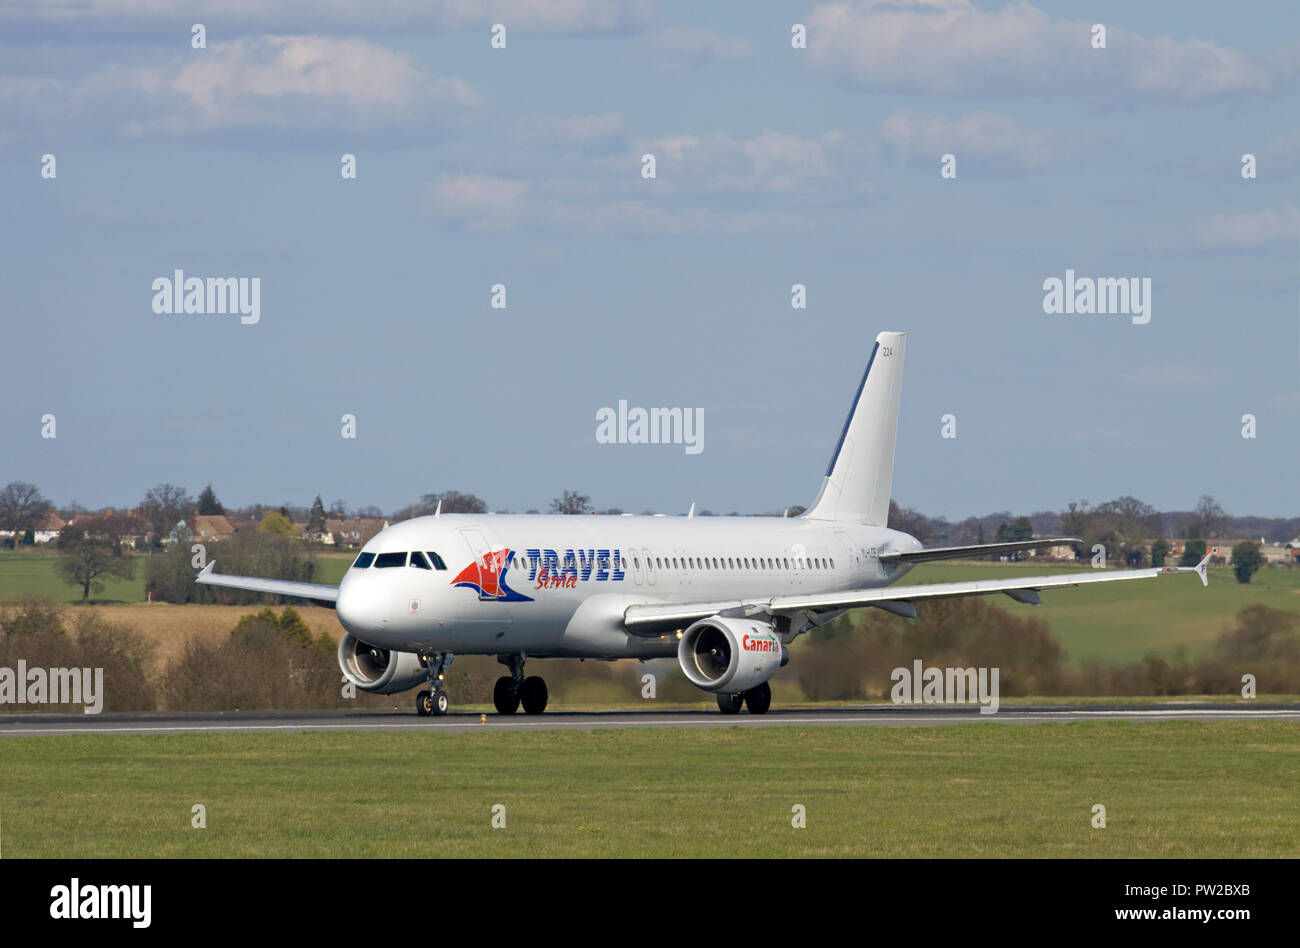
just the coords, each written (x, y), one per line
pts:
(435, 700)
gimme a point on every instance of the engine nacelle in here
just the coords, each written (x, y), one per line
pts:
(376, 669)
(733, 655)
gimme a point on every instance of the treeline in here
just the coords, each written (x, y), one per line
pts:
(271, 660)
(852, 660)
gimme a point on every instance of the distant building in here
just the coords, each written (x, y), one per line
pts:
(354, 533)
(212, 527)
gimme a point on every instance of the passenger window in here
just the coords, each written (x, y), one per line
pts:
(364, 561)
(387, 560)
(437, 561)
(418, 561)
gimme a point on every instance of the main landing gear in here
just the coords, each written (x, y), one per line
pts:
(435, 700)
(757, 699)
(514, 689)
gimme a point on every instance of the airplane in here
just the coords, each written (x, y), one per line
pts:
(724, 595)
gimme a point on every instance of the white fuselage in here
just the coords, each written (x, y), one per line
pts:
(558, 586)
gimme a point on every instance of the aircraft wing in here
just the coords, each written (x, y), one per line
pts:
(325, 595)
(644, 618)
(955, 552)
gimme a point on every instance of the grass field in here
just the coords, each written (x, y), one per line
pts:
(1121, 622)
(1188, 789)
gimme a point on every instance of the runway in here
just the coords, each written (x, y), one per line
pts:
(32, 725)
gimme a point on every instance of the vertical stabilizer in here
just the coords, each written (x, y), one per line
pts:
(857, 485)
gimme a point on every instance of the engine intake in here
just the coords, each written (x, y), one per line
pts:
(379, 670)
(725, 654)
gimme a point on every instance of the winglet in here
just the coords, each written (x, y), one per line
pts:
(207, 570)
(1202, 570)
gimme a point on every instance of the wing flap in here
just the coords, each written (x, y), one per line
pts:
(1024, 589)
(980, 549)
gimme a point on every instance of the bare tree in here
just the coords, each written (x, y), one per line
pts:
(1207, 522)
(22, 508)
(88, 557)
(162, 506)
(571, 503)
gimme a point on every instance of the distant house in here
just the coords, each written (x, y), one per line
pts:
(48, 530)
(1293, 551)
(214, 527)
(354, 533)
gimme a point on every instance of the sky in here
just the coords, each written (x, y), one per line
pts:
(522, 165)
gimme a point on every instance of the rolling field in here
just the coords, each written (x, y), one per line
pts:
(1108, 623)
(1181, 789)
(1121, 622)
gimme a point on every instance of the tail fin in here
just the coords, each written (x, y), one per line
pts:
(857, 483)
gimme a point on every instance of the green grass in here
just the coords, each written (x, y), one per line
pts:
(35, 572)
(1187, 789)
(1121, 622)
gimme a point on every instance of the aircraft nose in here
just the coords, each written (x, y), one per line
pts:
(362, 607)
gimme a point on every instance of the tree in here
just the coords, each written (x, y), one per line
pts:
(278, 524)
(571, 503)
(22, 508)
(162, 507)
(338, 510)
(316, 519)
(907, 520)
(453, 501)
(1247, 558)
(1159, 552)
(1193, 553)
(88, 559)
(1018, 529)
(209, 506)
(1208, 521)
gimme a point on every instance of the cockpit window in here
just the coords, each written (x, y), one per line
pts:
(364, 561)
(385, 560)
(418, 560)
(437, 561)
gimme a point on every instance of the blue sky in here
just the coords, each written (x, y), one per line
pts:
(775, 166)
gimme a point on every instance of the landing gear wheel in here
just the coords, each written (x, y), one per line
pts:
(423, 704)
(729, 703)
(759, 699)
(440, 702)
(504, 695)
(533, 695)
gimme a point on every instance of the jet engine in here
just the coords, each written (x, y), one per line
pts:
(732, 655)
(377, 669)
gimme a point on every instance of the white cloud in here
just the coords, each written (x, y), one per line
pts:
(689, 46)
(769, 163)
(280, 84)
(772, 182)
(1253, 229)
(573, 129)
(953, 47)
(995, 140)
(239, 17)
(1174, 377)
(478, 201)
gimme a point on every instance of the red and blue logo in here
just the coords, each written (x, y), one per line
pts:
(487, 577)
